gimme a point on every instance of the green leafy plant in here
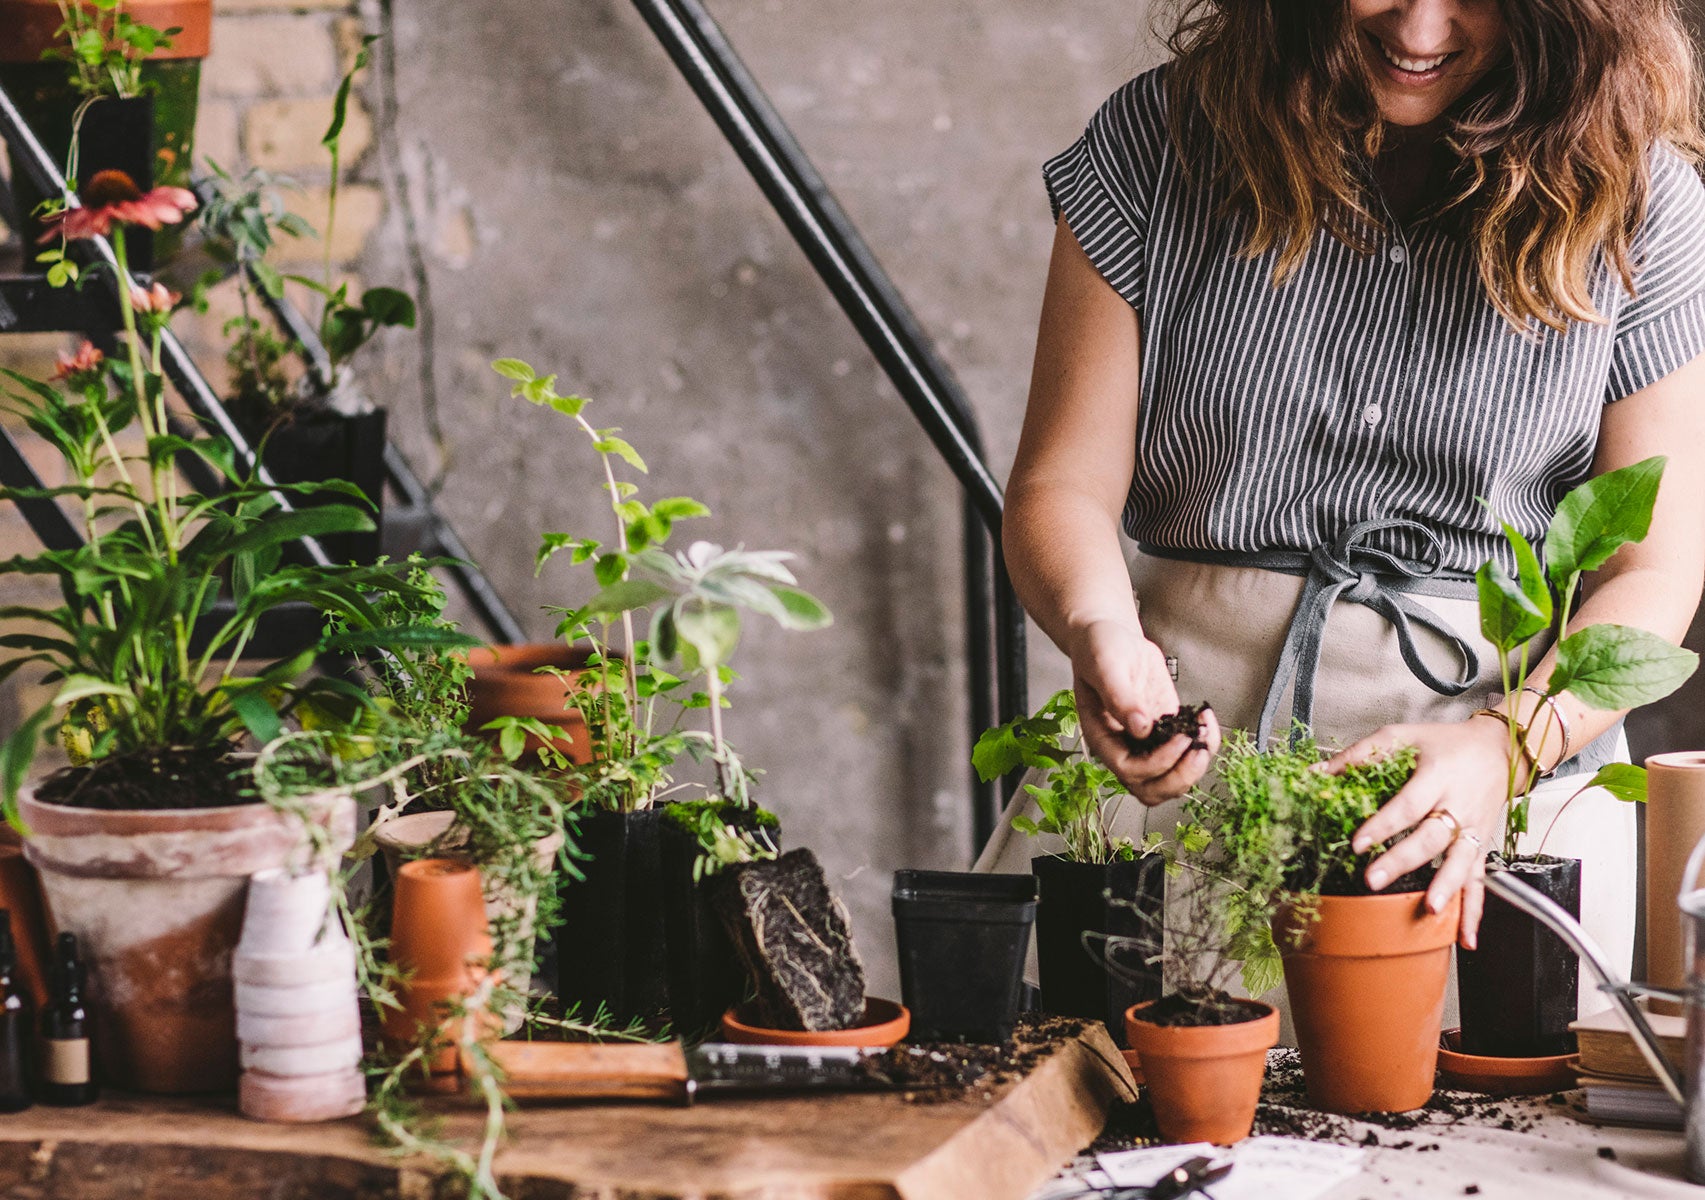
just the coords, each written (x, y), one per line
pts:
(632, 703)
(1604, 666)
(1078, 797)
(1277, 828)
(105, 47)
(144, 668)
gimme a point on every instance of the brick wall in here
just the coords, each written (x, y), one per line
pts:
(266, 97)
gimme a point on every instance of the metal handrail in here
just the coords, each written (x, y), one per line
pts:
(844, 262)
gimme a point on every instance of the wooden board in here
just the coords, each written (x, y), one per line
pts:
(855, 1147)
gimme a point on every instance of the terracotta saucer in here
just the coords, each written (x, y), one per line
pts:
(1502, 1076)
(885, 1023)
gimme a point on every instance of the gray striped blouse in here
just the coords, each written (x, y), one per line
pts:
(1378, 387)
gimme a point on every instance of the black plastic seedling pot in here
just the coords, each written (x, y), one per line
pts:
(1518, 991)
(705, 975)
(962, 939)
(610, 945)
(1122, 901)
(317, 446)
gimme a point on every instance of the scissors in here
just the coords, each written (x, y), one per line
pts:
(1189, 1178)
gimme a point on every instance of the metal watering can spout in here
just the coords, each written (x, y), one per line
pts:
(1550, 914)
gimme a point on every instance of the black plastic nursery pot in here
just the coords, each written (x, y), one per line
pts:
(1518, 992)
(1121, 900)
(313, 447)
(962, 939)
(703, 967)
(610, 944)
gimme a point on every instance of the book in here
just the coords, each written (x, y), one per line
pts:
(1606, 1048)
(1630, 1102)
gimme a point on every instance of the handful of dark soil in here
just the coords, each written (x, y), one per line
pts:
(1186, 722)
(175, 778)
(793, 936)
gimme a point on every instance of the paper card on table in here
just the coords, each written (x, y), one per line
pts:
(1266, 1167)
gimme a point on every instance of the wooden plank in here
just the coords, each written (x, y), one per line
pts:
(852, 1147)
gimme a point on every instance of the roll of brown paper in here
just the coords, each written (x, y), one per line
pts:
(1675, 821)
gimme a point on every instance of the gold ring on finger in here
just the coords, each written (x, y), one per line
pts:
(1456, 830)
(1475, 838)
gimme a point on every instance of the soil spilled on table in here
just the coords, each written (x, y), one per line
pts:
(174, 778)
(942, 1072)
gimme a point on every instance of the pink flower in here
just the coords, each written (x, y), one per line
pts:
(113, 196)
(156, 299)
(76, 366)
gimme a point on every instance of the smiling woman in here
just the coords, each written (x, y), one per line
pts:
(1319, 285)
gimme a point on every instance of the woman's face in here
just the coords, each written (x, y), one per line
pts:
(1424, 54)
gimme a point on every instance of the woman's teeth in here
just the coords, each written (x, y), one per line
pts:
(1415, 66)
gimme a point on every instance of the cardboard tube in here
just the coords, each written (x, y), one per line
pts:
(1675, 821)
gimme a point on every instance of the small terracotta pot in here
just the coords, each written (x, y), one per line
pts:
(507, 682)
(302, 1098)
(156, 899)
(441, 940)
(27, 27)
(287, 913)
(1366, 977)
(885, 1023)
(1204, 1080)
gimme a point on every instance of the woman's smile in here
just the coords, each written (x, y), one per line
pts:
(1422, 55)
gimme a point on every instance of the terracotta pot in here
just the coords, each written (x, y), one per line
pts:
(412, 835)
(507, 683)
(885, 1024)
(27, 27)
(1204, 1080)
(441, 941)
(156, 899)
(1366, 977)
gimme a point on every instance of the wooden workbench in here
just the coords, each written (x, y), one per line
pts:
(993, 1146)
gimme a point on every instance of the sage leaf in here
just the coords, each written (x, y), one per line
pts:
(1600, 517)
(1625, 781)
(1508, 617)
(1615, 667)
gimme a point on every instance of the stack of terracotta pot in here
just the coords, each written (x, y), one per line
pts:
(298, 1023)
(441, 942)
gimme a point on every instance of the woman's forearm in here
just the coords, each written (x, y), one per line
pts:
(1067, 565)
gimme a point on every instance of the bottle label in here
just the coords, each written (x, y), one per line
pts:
(67, 1060)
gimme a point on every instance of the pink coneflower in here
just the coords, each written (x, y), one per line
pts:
(113, 196)
(156, 299)
(76, 366)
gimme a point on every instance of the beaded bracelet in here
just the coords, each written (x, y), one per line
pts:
(1521, 737)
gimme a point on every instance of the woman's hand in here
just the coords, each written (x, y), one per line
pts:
(1461, 772)
(1122, 686)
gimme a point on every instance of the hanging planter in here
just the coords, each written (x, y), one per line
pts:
(156, 899)
(1121, 900)
(155, 149)
(1366, 978)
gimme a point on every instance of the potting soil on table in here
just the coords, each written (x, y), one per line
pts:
(1459, 1144)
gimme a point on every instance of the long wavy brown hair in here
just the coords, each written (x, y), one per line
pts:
(1552, 143)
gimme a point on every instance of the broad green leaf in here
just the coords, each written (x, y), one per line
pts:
(569, 406)
(711, 630)
(609, 569)
(513, 368)
(1529, 574)
(309, 522)
(622, 450)
(1614, 667)
(1625, 781)
(996, 753)
(625, 596)
(1598, 518)
(81, 687)
(1507, 616)
(804, 611)
(388, 306)
(258, 716)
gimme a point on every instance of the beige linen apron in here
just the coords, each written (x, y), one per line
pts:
(1226, 626)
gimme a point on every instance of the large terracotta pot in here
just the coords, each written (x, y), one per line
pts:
(1366, 977)
(507, 682)
(1204, 1081)
(156, 899)
(27, 27)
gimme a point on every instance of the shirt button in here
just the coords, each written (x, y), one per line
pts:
(1399, 255)
(1372, 414)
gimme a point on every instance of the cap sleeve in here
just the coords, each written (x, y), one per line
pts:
(1104, 182)
(1661, 328)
